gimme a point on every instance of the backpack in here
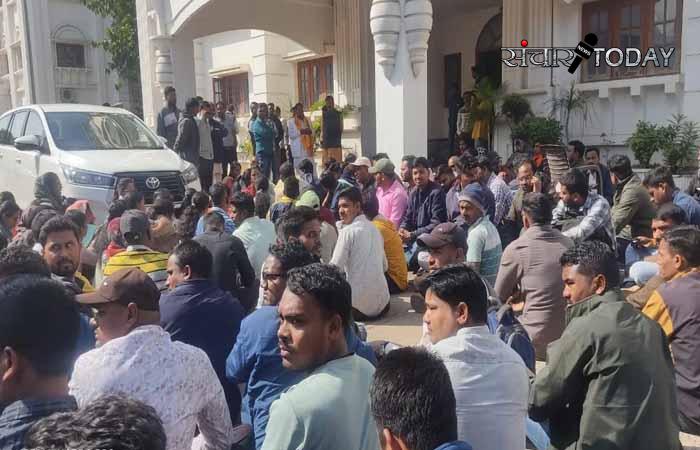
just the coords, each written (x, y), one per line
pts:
(512, 332)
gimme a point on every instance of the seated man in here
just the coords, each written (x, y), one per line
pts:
(640, 256)
(329, 407)
(101, 424)
(328, 236)
(604, 186)
(231, 270)
(256, 234)
(581, 215)
(219, 199)
(255, 360)
(662, 190)
(675, 307)
(426, 207)
(136, 231)
(397, 273)
(632, 210)
(290, 193)
(489, 379)
(391, 194)
(530, 272)
(609, 354)
(528, 182)
(359, 253)
(195, 300)
(483, 241)
(39, 326)
(141, 361)
(410, 413)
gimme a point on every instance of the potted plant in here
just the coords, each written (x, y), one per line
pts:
(570, 101)
(646, 140)
(538, 130)
(515, 108)
(681, 143)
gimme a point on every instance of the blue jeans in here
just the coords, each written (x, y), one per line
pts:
(537, 433)
(635, 254)
(643, 271)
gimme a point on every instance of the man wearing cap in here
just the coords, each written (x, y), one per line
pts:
(137, 357)
(392, 196)
(483, 242)
(136, 231)
(361, 172)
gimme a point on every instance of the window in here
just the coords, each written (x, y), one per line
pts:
(4, 132)
(233, 90)
(70, 55)
(34, 126)
(641, 24)
(17, 126)
(315, 80)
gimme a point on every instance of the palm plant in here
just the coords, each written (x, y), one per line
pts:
(570, 101)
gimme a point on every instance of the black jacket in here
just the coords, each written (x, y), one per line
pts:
(218, 133)
(231, 269)
(187, 141)
(426, 209)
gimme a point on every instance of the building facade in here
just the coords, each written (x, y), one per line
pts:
(398, 60)
(53, 60)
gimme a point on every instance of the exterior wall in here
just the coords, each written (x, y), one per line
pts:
(31, 75)
(616, 106)
(451, 34)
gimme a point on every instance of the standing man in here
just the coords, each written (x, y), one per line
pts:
(530, 272)
(606, 189)
(359, 253)
(230, 141)
(300, 136)
(454, 103)
(264, 134)
(206, 147)
(331, 131)
(632, 210)
(609, 354)
(253, 118)
(392, 196)
(187, 142)
(39, 327)
(168, 117)
(315, 311)
(279, 138)
(674, 305)
(218, 133)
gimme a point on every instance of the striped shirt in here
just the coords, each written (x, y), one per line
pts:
(484, 247)
(152, 262)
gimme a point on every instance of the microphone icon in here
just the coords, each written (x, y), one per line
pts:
(584, 50)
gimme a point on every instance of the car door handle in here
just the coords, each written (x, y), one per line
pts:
(18, 160)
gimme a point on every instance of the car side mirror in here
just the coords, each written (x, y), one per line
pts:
(29, 142)
(163, 140)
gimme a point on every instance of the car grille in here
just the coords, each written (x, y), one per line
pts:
(168, 180)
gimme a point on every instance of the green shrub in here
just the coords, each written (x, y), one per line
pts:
(682, 142)
(646, 140)
(538, 130)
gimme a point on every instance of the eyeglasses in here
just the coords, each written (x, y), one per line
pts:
(273, 276)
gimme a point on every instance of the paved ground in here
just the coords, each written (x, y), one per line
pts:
(403, 326)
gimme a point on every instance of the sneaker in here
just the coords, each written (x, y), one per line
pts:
(418, 303)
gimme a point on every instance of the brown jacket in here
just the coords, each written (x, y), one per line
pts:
(530, 266)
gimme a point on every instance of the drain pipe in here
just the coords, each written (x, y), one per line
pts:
(551, 44)
(30, 63)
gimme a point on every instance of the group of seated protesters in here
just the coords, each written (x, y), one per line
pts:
(233, 319)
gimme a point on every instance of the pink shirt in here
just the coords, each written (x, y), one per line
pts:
(393, 202)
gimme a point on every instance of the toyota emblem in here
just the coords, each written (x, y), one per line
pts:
(152, 183)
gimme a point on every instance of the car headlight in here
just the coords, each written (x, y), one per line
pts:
(190, 174)
(87, 178)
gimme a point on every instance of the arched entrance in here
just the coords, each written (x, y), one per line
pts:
(488, 50)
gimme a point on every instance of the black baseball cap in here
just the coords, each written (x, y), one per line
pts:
(444, 234)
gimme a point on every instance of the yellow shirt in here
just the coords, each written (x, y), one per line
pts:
(398, 270)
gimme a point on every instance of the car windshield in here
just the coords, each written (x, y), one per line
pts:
(100, 131)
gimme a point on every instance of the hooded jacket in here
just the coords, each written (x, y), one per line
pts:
(609, 380)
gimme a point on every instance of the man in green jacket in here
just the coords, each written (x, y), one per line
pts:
(632, 210)
(609, 379)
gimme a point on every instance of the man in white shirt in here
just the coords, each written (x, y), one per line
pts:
(256, 234)
(489, 379)
(329, 408)
(136, 357)
(359, 252)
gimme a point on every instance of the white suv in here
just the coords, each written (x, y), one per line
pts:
(90, 148)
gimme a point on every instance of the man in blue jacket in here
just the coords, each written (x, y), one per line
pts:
(256, 360)
(195, 311)
(264, 132)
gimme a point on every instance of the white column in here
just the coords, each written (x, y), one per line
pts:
(402, 89)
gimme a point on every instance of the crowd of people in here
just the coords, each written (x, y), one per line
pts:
(234, 319)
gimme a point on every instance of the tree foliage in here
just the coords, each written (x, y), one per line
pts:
(121, 37)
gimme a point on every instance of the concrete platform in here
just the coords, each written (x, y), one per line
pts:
(401, 325)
